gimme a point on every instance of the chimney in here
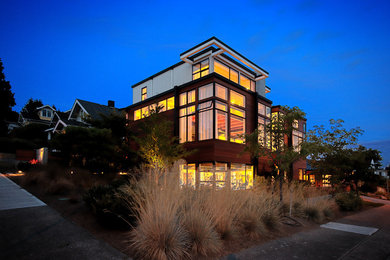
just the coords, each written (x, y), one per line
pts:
(111, 103)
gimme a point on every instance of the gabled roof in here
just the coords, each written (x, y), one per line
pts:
(94, 110)
(38, 108)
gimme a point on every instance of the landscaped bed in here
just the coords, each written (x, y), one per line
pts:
(174, 222)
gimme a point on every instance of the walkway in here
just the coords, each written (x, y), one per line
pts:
(365, 235)
(31, 230)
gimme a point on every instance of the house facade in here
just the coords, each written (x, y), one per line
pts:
(213, 96)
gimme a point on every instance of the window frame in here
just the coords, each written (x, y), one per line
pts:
(144, 95)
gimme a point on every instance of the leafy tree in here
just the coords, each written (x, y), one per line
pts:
(88, 147)
(158, 147)
(332, 152)
(117, 123)
(33, 133)
(30, 109)
(7, 101)
(278, 150)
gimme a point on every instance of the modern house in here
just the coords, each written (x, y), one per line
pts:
(213, 96)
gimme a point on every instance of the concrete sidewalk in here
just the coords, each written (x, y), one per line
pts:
(31, 230)
(329, 243)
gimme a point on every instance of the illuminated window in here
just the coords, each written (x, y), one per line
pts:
(295, 123)
(261, 109)
(326, 180)
(237, 129)
(237, 99)
(261, 129)
(220, 121)
(237, 112)
(145, 112)
(137, 114)
(170, 103)
(220, 91)
(220, 175)
(183, 99)
(163, 105)
(300, 173)
(187, 175)
(225, 71)
(191, 96)
(247, 83)
(144, 93)
(205, 91)
(206, 174)
(241, 176)
(200, 69)
(312, 179)
(205, 120)
(297, 139)
(187, 123)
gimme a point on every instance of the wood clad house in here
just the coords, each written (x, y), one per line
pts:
(212, 96)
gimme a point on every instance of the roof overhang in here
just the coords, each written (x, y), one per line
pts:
(225, 48)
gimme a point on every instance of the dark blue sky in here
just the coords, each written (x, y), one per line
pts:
(328, 57)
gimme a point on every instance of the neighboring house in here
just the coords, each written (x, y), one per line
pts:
(382, 172)
(213, 96)
(42, 115)
(77, 116)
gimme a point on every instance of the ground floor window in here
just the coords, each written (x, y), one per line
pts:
(217, 175)
(326, 180)
(187, 175)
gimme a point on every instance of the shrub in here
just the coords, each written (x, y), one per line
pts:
(312, 213)
(348, 201)
(109, 205)
(60, 186)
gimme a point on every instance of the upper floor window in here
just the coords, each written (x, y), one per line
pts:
(166, 104)
(237, 99)
(220, 91)
(247, 83)
(200, 69)
(187, 97)
(263, 110)
(144, 93)
(226, 71)
(205, 91)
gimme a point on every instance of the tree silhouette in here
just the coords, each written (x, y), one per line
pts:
(7, 101)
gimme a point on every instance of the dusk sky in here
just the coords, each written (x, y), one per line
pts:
(330, 58)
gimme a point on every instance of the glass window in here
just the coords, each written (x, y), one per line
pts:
(220, 91)
(237, 129)
(220, 175)
(261, 109)
(205, 91)
(237, 99)
(234, 76)
(187, 124)
(145, 112)
(144, 93)
(170, 103)
(137, 114)
(183, 99)
(295, 123)
(241, 176)
(221, 69)
(200, 69)
(205, 105)
(245, 82)
(206, 173)
(220, 125)
(187, 175)
(268, 111)
(206, 125)
(191, 121)
(253, 86)
(163, 105)
(237, 112)
(220, 105)
(191, 96)
(183, 129)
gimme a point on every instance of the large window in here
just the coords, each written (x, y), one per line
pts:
(220, 121)
(225, 71)
(237, 99)
(263, 110)
(187, 123)
(144, 93)
(237, 125)
(297, 139)
(241, 176)
(220, 91)
(205, 91)
(166, 104)
(247, 83)
(187, 175)
(220, 175)
(206, 174)
(187, 98)
(205, 120)
(200, 69)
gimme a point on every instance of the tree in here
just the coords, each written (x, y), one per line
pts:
(277, 149)
(332, 150)
(117, 123)
(7, 101)
(30, 109)
(87, 147)
(158, 147)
